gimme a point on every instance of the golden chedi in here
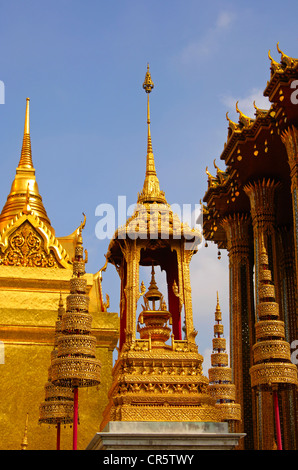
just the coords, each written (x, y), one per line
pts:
(24, 184)
(220, 374)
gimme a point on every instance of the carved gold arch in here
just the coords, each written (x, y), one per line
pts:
(26, 241)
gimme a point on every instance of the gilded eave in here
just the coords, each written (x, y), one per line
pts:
(254, 150)
(281, 74)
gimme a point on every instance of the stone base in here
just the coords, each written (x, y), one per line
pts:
(125, 435)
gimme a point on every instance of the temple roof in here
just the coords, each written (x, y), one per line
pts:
(254, 150)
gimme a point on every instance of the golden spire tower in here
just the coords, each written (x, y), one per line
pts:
(24, 189)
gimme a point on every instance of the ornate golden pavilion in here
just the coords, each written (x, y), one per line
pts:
(35, 269)
(158, 374)
(250, 209)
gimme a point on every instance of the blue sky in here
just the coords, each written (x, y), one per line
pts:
(82, 63)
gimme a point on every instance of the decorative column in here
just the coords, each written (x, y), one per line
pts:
(239, 245)
(130, 291)
(290, 139)
(261, 194)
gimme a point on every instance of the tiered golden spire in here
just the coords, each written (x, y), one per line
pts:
(151, 190)
(220, 375)
(24, 443)
(76, 364)
(24, 191)
(272, 367)
(58, 405)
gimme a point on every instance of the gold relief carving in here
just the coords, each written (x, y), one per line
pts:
(27, 248)
(266, 291)
(219, 343)
(289, 138)
(219, 358)
(275, 349)
(86, 370)
(236, 227)
(220, 374)
(229, 411)
(80, 321)
(269, 328)
(165, 412)
(269, 374)
(56, 411)
(268, 308)
(261, 194)
(77, 302)
(78, 285)
(83, 344)
(223, 391)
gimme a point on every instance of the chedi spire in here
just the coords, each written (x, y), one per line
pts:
(24, 189)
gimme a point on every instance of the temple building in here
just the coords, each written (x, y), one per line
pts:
(250, 209)
(35, 272)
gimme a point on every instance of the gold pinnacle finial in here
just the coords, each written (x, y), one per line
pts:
(218, 316)
(148, 84)
(24, 443)
(26, 154)
(151, 191)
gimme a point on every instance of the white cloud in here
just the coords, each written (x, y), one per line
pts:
(245, 103)
(207, 44)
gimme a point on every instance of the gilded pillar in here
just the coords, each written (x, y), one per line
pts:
(237, 228)
(130, 291)
(261, 194)
(289, 307)
(290, 140)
